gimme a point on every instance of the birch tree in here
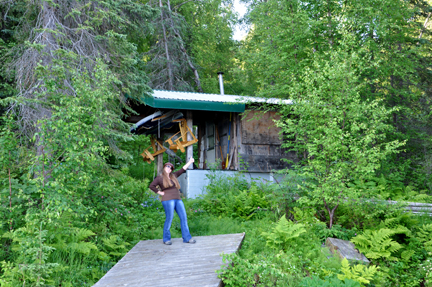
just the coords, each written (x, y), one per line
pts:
(349, 67)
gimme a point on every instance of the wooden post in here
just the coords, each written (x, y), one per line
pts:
(159, 162)
(240, 147)
(201, 147)
(189, 149)
(235, 150)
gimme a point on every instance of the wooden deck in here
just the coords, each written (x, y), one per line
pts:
(151, 263)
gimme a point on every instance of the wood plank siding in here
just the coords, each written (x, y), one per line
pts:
(260, 143)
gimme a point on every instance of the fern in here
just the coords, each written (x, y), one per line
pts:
(406, 255)
(82, 247)
(404, 222)
(421, 198)
(246, 202)
(377, 244)
(283, 233)
(72, 240)
(330, 282)
(359, 272)
(114, 247)
(82, 233)
(424, 235)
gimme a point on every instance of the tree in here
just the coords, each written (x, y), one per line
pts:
(394, 62)
(50, 30)
(340, 136)
(8, 22)
(347, 66)
(190, 44)
(212, 47)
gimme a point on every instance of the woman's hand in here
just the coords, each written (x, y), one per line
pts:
(191, 161)
(161, 193)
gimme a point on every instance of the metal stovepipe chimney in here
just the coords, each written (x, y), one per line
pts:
(221, 86)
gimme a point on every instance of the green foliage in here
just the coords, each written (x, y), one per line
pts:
(261, 271)
(248, 202)
(284, 233)
(424, 235)
(330, 282)
(70, 210)
(31, 265)
(89, 212)
(234, 197)
(73, 240)
(337, 231)
(241, 273)
(289, 37)
(211, 25)
(391, 187)
(337, 150)
(114, 246)
(358, 272)
(426, 268)
(378, 244)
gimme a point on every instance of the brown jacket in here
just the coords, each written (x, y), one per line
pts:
(171, 192)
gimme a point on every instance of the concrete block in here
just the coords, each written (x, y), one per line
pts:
(345, 249)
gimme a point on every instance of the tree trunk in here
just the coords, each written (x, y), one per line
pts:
(424, 25)
(330, 212)
(10, 195)
(170, 72)
(159, 158)
(183, 49)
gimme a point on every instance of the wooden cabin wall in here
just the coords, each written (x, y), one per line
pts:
(223, 121)
(260, 143)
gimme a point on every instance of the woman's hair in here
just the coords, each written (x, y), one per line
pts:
(166, 179)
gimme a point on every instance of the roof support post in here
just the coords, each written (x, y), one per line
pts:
(235, 143)
(189, 149)
(159, 162)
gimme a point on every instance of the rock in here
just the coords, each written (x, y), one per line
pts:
(345, 249)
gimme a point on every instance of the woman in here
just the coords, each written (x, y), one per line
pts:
(169, 189)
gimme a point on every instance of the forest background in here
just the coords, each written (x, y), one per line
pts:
(74, 192)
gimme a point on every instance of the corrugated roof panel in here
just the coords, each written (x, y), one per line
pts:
(204, 102)
(195, 96)
(214, 97)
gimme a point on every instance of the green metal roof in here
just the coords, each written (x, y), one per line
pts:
(205, 102)
(195, 101)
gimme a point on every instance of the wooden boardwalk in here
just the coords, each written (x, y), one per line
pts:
(151, 263)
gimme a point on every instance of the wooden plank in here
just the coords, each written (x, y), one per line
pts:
(151, 263)
(259, 128)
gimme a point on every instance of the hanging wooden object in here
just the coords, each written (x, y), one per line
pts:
(147, 155)
(181, 142)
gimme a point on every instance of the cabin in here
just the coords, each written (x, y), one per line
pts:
(228, 133)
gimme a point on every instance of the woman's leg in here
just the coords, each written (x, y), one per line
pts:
(181, 211)
(169, 215)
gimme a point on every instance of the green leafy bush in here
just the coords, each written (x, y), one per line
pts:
(234, 197)
(330, 282)
(260, 271)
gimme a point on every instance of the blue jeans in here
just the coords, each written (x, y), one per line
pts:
(178, 206)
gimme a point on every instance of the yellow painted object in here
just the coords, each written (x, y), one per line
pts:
(181, 142)
(149, 157)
